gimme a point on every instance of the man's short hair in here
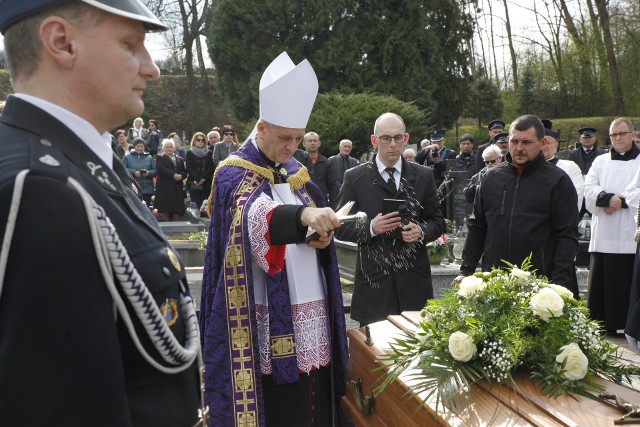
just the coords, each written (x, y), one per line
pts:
(466, 137)
(212, 132)
(622, 120)
(410, 151)
(346, 140)
(492, 149)
(527, 122)
(22, 45)
(310, 134)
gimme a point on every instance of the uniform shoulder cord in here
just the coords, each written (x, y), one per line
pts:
(113, 259)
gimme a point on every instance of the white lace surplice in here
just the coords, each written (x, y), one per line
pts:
(307, 288)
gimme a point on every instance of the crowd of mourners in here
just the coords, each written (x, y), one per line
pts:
(170, 175)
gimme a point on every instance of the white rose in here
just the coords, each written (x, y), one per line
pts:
(521, 275)
(546, 304)
(561, 290)
(461, 346)
(576, 363)
(470, 285)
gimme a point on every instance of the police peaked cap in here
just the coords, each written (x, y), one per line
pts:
(13, 11)
(587, 132)
(496, 124)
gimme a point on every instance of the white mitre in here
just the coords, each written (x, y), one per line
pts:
(288, 92)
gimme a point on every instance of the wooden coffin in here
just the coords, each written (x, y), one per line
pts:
(485, 405)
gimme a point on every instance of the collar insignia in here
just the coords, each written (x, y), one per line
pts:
(101, 175)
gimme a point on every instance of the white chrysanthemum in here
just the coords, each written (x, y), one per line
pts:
(461, 346)
(470, 285)
(546, 304)
(576, 363)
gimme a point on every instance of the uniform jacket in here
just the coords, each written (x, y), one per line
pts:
(440, 168)
(364, 185)
(65, 359)
(584, 161)
(518, 214)
(135, 162)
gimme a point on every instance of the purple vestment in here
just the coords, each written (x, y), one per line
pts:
(233, 388)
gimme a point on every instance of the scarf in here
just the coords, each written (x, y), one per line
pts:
(199, 152)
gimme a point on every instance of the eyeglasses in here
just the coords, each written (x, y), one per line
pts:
(386, 139)
(490, 162)
(229, 133)
(200, 139)
(614, 135)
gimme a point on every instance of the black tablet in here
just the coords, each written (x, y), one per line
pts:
(391, 205)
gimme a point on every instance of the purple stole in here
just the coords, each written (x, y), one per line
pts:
(233, 388)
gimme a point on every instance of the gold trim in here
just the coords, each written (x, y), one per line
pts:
(173, 259)
(282, 346)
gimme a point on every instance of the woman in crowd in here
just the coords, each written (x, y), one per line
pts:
(122, 145)
(155, 136)
(142, 167)
(137, 131)
(169, 189)
(177, 141)
(200, 169)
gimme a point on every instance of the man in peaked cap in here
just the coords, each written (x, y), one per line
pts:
(97, 327)
(494, 127)
(271, 309)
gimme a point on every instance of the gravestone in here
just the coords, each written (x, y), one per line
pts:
(457, 206)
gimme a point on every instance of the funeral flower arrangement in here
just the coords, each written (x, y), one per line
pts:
(439, 247)
(497, 323)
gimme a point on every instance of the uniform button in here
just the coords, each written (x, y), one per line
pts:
(166, 271)
(313, 407)
(45, 142)
(313, 393)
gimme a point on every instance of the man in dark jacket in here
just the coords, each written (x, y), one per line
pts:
(525, 206)
(97, 327)
(392, 269)
(341, 163)
(322, 169)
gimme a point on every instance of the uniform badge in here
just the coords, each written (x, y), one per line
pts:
(49, 160)
(169, 311)
(173, 258)
(283, 171)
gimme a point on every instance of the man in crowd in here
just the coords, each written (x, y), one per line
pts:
(213, 137)
(392, 268)
(322, 169)
(495, 127)
(341, 163)
(501, 141)
(549, 149)
(222, 149)
(614, 211)
(75, 349)
(492, 157)
(271, 309)
(436, 156)
(465, 160)
(525, 206)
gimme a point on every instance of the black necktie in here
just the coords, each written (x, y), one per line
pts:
(391, 182)
(588, 151)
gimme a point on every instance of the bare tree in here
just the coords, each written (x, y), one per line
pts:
(512, 51)
(611, 57)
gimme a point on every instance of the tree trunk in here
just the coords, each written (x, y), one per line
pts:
(611, 56)
(512, 51)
